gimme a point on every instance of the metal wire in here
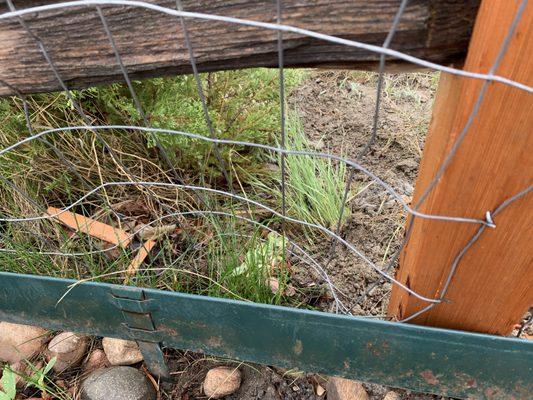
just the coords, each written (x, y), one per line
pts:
(201, 95)
(282, 110)
(133, 94)
(453, 152)
(236, 197)
(375, 121)
(79, 109)
(484, 219)
(274, 149)
(137, 103)
(464, 250)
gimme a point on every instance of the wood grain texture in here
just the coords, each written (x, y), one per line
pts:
(152, 44)
(491, 290)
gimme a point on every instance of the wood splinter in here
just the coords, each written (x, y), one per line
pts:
(91, 227)
(106, 233)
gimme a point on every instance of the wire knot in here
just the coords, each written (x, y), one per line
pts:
(488, 220)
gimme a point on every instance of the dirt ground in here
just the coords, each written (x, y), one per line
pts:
(259, 382)
(337, 110)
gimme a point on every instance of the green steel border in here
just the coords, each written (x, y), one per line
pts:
(445, 362)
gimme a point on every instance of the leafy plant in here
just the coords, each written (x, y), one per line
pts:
(242, 105)
(265, 256)
(8, 384)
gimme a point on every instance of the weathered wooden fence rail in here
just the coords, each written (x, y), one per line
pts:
(152, 44)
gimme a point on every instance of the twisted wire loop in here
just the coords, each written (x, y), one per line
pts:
(484, 218)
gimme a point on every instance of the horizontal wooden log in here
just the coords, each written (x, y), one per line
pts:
(152, 43)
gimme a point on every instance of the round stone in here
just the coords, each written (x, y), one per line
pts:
(117, 383)
(19, 342)
(68, 348)
(221, 382)
(121, 352)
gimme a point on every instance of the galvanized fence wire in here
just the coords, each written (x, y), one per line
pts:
(484, 220)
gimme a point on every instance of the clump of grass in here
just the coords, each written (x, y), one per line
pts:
(243, 105)
(37, 378)
(314, 185)
(223, 257)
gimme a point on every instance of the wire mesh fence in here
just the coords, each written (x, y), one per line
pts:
(252, 229)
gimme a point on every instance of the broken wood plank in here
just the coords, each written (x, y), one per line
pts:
(152, 44)
(143, 252)
(91, 227)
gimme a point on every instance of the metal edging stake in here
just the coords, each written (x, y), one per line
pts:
(136, 310)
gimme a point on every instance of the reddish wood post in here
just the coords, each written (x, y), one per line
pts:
(493, 285)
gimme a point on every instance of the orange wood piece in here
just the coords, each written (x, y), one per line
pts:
(92, 227)
(139, 258)
(492, 287)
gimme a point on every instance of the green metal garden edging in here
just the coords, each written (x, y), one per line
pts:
(453, 363)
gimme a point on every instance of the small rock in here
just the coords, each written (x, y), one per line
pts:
(317, 144)
(345, 389)
(19, 342)
(221, 381)
(407, 165)
(61, 383)
(273, 284)
(392, 396)
(272, 167)
(117, 383)
(121, 352)
(271, 393)
(407, 188)
(96, 360)
(319, 390)
(407, 199)
(68, 348)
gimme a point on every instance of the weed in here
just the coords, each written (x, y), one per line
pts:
(221, 258)
(36, 378)
(8, 384)
(314, 185)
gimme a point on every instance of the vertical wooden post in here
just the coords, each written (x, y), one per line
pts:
(493, 285)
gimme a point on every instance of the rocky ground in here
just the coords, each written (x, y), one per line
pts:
(67, 365)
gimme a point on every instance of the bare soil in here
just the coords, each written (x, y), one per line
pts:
(337, 111)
